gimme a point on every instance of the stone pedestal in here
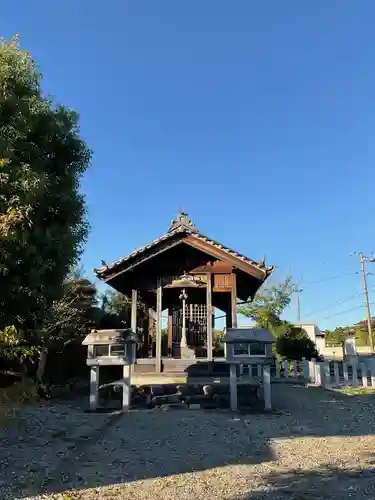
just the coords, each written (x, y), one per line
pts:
(187, 352)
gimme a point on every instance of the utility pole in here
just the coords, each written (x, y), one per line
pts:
(363, 259)
(298, 290)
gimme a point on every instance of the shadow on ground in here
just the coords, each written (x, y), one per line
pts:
(327, 482)
(148, 444)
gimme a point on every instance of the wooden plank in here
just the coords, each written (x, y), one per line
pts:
(222, 282)
(234, 301)
(216, 267)
(159, 309)
(209, 318)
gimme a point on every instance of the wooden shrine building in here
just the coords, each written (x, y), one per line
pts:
(184, 275)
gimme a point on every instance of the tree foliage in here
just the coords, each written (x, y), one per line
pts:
(268, 304)
(71, 315)
(42, 212)
(294, 343)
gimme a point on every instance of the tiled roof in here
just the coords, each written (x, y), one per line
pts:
(190, 230)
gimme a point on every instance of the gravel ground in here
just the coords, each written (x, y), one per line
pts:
(319, 445)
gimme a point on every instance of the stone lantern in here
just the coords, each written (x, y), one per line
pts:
(111, 348)
(248, 346)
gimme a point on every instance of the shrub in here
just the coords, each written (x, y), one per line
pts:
(296, 344)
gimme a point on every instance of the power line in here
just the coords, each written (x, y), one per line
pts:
(344, 312)
(329, 278)
(334, 304)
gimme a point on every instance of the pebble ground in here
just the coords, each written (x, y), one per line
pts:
(319, 445)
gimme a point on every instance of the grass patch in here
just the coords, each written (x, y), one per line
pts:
(357, 391)
(13, 397)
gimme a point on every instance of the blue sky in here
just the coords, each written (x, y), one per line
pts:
(257, 117)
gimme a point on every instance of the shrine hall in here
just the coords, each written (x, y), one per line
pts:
(179, 280)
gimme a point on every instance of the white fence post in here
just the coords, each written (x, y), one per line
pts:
(312, 371)
(241, 370)
(345, 372)
(267, 387)
(260, 370)
(354, 374)
(372, 370)
(233, 387)
(337, 373)
(94, 387)
(286, 368)
(364, 374)
(277, 363)
(295, 368)
(305, 370)
(318, 374)
(326, 375)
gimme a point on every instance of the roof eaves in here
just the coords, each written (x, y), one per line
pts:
(105, 269)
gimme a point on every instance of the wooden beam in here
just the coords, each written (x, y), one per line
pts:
(143, 257)
(226, 257)
(209, 318)
(159, 309)
(133, 321)
(234, 301)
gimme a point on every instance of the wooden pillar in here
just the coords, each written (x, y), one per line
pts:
(170, 332)
(234, 301)
(209, 317)
(133, 322)
(159, 309)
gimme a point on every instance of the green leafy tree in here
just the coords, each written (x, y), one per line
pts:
(42, 212)
(268, 304)
(336, 337)
(69, 317)
(294, 343)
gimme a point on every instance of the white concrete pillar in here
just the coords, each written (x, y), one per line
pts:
(305, 370)
(233, 387)
(126, 387)
(286, 368)
(345, 372)
(337, 373)
(354, 374)
(94, 387)
(295, 368)
(267, 387)
(326, 375)
(372, 370)
(259, 370)
(277, 364)
(364, 374)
